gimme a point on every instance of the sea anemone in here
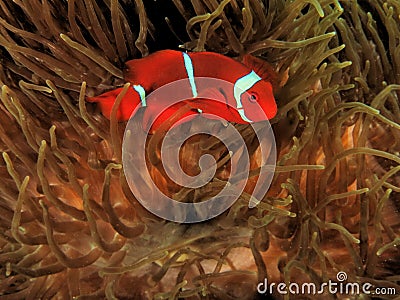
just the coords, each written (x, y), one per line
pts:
(71, 227)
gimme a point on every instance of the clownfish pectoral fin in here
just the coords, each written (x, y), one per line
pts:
(262, 68)
(214, 103)
(154, 119)
(128, 104)
(212, 94)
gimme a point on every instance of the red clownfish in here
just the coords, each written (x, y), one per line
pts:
(251, 83)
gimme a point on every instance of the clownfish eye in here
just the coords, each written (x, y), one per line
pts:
(253, 97)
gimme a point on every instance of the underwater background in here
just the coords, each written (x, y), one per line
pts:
(70, 228)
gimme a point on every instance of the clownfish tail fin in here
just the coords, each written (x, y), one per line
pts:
(128, 104)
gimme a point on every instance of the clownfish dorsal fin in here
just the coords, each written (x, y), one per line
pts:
(262, 69)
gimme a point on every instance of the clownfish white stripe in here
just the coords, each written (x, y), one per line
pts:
(241, 86)
(142, 93)
(190, 72)
(243, 116)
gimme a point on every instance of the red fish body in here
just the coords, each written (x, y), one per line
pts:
(250, 86)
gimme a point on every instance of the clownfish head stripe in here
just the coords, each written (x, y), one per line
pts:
(190, 73)
(242, 85)
(243, 116)
(142, 94)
